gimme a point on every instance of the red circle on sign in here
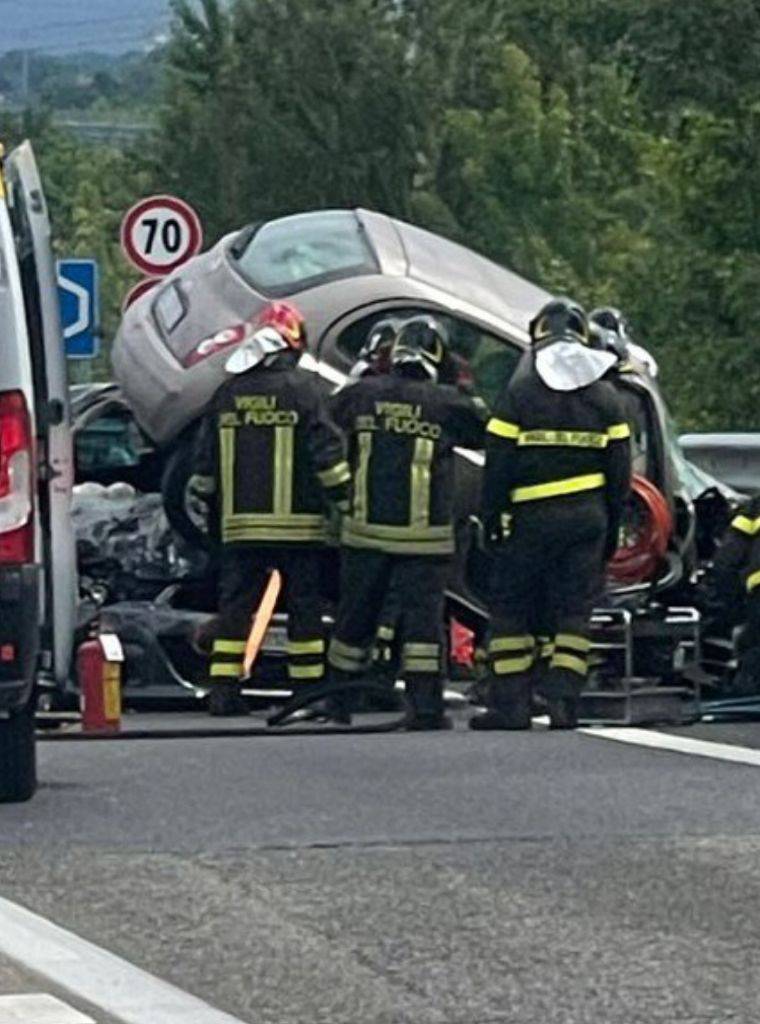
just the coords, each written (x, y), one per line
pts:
(139, 254)
(138, 290)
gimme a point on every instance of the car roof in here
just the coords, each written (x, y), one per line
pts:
(454, 269)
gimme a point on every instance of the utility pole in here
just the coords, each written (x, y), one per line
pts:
(26, 56)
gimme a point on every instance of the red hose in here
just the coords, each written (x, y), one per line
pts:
(647, 529)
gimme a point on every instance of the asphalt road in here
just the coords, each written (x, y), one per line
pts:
(407, 879)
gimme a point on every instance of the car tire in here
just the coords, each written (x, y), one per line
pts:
(18, 756)
(177, 472)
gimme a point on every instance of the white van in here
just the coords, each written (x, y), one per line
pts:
(38, 585)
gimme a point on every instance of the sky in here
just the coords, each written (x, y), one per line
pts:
(58, 27)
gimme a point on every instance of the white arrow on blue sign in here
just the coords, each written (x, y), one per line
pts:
(79, 295)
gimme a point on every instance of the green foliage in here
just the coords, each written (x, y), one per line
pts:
(606, 148)
(88, 188)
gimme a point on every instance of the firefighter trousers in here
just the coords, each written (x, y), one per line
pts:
(417, 583)
(244, 574)
(546, 579)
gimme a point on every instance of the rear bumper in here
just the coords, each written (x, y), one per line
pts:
(19, 634)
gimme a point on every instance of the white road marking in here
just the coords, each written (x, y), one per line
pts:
(97, 976)
(39, 1009)
(677, 744)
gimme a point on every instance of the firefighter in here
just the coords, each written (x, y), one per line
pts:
(612, 331)
(375, 354)
(556, 478)
(272, 457)
(399, 534)
(374, 359)
(733, 591)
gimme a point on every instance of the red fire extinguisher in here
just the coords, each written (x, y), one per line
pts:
(99, 662)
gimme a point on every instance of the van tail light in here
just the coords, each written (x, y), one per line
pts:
(16, 480)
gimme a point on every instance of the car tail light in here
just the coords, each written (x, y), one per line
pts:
(16, 479)
(225, 339)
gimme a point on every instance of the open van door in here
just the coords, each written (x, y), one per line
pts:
(31, 228)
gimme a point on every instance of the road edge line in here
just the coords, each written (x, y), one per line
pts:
(668, 743)
(98, 977)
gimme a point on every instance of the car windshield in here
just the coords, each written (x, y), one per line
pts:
(289, 255)
(485, 361)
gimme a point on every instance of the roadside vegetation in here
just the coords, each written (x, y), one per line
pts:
(606, 148)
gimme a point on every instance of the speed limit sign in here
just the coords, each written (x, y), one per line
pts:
(161, 233)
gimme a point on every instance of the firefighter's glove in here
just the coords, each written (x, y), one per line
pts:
(198, 494)
(336, 510)
(495, 531)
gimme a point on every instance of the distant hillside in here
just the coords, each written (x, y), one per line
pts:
(86, 84)
(53, 27)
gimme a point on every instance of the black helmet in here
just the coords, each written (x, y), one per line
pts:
(611, 319)
(612, 329)
(380, 339)
(421, 342)
(560, 319)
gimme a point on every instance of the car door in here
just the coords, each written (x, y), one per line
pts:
(31, 227)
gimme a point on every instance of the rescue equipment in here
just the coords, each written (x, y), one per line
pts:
(647, 530)
(99, 662)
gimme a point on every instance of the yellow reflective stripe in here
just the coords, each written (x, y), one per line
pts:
(227, 466)
(273, 534)
(571, 662)
(753, 581)
(361, 499)
(398, 539)
(284, 442)
(230, 671)
(306, 671)
(510, 666)
(421, 649)
(348, 658)
(336, 475)
(501, 428)
(619, 432)
(344, 664)
(229, 647)
(564, 438)
(547, 649)
(746, 525)
(572, 485)
(386, 633)
(511, 643)
(306, 647)
(419, 483)
(573, 641)
(427, 665)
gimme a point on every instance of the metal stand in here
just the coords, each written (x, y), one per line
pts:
(632, 699)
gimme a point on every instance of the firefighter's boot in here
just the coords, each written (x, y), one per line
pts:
(563, 712)
(508, 707)
(425, 711)
(226, 701)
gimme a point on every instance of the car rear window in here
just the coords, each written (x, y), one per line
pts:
(290, 255)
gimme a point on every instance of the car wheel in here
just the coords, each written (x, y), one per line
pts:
(177, 472)
(18, 756)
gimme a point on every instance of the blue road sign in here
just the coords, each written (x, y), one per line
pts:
(79, 293)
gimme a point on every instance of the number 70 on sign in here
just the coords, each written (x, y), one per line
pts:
(160, 233)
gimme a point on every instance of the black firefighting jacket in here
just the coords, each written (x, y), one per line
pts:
(735, 574)
(401, 432)
(545, 445)
(268, 449)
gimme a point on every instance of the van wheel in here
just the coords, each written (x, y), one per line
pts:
(177, 472)
(18, 756)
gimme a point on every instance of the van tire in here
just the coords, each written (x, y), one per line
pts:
(18, 756)
(177, 472)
